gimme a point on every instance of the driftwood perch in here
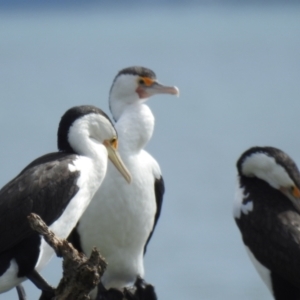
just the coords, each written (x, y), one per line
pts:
(80, 274)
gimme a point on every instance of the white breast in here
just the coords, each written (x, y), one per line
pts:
(123, 217)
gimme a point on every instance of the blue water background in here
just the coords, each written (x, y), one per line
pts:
(238, 70)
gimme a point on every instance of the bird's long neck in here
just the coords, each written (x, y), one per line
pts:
(119, 103)
(135, 127)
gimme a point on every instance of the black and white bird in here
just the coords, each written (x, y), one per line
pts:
(121, 218)
(267, 212)
(58, 187)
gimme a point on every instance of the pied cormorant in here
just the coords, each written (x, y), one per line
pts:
(121, 218)
(58, 187)
(267, 212)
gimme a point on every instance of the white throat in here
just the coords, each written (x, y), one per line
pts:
(135, 127)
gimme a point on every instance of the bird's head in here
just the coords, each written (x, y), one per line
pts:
(83, 129)
(275, 168)
(135, 84)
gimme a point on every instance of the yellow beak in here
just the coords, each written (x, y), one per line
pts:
(115, 158)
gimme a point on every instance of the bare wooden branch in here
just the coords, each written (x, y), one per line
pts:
(80, 274)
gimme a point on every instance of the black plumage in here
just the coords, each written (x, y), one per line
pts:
(159, 189)
(35, 190)
(136, 70)
(271, 229)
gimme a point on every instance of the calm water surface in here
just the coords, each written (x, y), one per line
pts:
(238, 70)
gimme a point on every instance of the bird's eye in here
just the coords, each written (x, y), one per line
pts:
(141, 81)
(114, 142)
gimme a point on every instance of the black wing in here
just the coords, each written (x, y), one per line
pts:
(44, 187)
(159, 189)
(272, 230)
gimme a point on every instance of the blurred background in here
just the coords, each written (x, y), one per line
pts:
(237, 65)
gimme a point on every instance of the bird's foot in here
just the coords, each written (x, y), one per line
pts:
(110, 294)
(144, 291)
(140, 291)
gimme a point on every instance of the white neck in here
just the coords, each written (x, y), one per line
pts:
(117, 107)
(135, 127)
(122, 94)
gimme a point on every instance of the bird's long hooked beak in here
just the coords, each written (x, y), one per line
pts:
(115, 158)
(158, 88)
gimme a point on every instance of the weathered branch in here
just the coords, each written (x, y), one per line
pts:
(80, 274)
